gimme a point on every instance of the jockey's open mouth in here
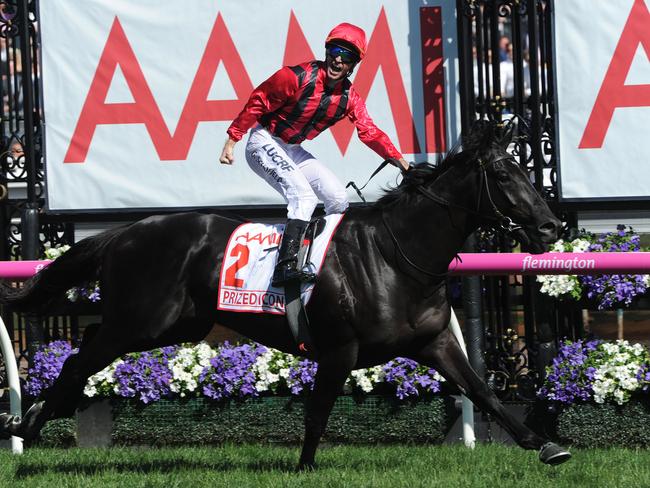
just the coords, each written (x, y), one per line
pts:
(335, 69)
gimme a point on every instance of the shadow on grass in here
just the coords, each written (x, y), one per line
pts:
(29, 469)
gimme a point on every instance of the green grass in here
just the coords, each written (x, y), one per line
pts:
(271, 466)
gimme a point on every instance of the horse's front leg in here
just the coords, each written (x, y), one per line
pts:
(444, 354)
(334, 367)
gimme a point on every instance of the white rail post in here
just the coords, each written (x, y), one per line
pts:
(14, 382)
(469, 437)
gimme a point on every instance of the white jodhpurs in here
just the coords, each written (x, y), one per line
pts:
(299, 177)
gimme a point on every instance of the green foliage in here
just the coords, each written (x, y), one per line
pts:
(277, 420)
(58, 433)
(606, 425)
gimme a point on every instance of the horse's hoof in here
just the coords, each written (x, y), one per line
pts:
(551, 453)
(8, 425)
(306, 467)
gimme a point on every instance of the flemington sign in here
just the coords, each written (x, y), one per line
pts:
(586, 263)
(138, 96)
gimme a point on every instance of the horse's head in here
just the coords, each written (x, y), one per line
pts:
(486, 183)
(507, 197)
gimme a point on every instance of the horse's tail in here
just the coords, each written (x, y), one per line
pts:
(81, 263)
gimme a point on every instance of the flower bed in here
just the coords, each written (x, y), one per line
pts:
(224, 373)
(197, 394)
(604, 291)
(598, 394)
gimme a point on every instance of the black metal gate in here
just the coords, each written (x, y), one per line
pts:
(506, 65)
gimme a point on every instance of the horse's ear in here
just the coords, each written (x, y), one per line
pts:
(507, 133)
(481, 134)
(512, 130)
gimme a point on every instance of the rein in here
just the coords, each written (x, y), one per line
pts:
(505, 223)
(374, 173)
(406, 258)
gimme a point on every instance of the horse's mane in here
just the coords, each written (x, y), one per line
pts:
(468, 146)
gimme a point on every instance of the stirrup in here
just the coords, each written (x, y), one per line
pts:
(286, 275)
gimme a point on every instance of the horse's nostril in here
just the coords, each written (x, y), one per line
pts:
(549, 227)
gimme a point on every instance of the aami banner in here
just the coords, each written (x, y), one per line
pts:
(602, 52)
(138, 95)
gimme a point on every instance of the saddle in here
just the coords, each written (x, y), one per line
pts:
(245, 283)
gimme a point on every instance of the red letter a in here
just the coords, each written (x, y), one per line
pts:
(614, 92)
(297, 49)
(95, 111)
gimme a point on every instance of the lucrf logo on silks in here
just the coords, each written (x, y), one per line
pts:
(271, 171)
(220, 49)
(276, 158)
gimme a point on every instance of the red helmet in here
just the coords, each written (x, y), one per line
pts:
(350, 36)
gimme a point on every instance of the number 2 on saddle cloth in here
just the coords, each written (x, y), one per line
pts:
(245, 281)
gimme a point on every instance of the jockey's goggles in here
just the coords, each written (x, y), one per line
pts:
(346, 55)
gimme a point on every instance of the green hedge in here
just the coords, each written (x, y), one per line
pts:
(58, 433)
(277, 419)
(370, 420)
(606, 425)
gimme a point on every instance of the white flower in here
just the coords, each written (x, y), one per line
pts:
(187, 365)
(558, 285)
(72, 294)
(558, 246)
(101, 383)
(580, 245)
(55, 252)
(615, 377)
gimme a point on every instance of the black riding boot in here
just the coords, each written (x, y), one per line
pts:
(286, 268)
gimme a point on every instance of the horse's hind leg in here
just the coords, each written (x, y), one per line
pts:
(62, 397)
(334, 367)
(444, 354)
(125, 328)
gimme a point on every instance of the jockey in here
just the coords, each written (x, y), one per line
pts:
(298, 103)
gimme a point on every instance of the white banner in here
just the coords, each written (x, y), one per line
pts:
(138, 95)
(602, 52)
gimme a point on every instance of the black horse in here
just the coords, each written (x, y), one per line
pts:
(381, 293)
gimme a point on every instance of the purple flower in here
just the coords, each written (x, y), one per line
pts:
(614, 291)
(302, 376)
(410, 378)
(569, 378)
(230, 374)
(144, 375)
(46, 366)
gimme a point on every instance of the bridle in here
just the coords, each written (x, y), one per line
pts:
(504, 222)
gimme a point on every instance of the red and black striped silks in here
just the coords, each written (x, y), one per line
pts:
(296, 104)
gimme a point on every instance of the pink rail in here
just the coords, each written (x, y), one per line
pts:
(473, 264)
(585, 263)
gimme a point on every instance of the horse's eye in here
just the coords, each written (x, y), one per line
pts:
(502, 176)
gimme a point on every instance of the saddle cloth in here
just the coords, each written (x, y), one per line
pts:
(249, 261)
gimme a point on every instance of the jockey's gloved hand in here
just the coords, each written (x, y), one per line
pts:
(411, 164)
